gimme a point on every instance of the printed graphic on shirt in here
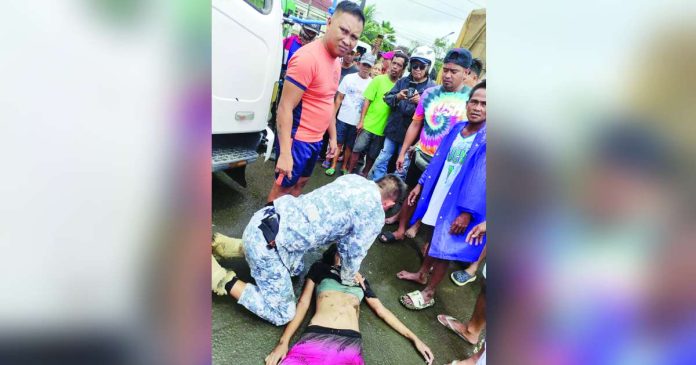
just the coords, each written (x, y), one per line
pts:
(440, 111)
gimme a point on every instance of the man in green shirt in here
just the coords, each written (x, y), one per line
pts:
(373, 117)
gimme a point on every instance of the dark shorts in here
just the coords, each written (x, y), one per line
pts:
(320, 345)
(369, 143)
(345, 134)
(304, 157)
(414, 173)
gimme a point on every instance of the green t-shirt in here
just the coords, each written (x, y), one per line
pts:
(378, 112)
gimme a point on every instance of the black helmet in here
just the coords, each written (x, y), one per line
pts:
(315, 28)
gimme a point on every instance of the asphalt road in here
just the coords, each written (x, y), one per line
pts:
(239, 337)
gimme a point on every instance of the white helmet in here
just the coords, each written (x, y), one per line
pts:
(423, 54)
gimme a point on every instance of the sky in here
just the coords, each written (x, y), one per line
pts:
(425, 20)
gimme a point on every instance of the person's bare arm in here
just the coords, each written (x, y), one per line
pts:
(387, 316)
(333, 146)
(291, 96)
(338, 101)
(281, 350)
(366, 105)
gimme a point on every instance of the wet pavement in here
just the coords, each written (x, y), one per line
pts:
(239, 337)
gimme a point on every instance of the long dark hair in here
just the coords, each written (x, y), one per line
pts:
(329, 255)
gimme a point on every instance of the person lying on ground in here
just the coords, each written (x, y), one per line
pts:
(333, 332)
(349, 211)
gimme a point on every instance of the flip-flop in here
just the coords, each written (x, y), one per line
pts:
(446, 321)
(326, 164)
(387, 237)
(417, 302)
(330, 171)
(344, 171)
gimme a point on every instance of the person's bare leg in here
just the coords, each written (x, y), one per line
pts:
(353, 161)
(347, 154)
(297, 189)
(478, 319)
(404, 216)
(471, 330)
(436, 275)
(237, 289)
(473, 268)
(335, 158)
(277, 191)
(368, 166)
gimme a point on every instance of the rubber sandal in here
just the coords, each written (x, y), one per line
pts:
(387, 237)
(461, 278)
(344, 172)
(417, 302)
(330, 171)
(326, 164)
(447, 321)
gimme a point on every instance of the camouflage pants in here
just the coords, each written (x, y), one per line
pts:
(272, 298)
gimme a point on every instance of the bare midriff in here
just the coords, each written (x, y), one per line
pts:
(336, 310)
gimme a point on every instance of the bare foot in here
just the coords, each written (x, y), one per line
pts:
(413, 231)
(398, 235)
(412, 276)
(465, 331)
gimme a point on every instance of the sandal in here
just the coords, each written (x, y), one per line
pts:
(387, 237)
(344, 172)
(326, 164)
(330, 171)
(447, 321)
(417, 302)
(461, 278)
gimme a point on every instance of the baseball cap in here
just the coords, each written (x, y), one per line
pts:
(458, 56)
(387, 55)
(368, 58)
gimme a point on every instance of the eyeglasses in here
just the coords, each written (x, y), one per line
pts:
(418, 66)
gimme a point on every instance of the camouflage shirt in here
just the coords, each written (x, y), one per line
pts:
(347, 211)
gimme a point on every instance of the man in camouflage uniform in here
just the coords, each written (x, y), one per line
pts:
(348, 211)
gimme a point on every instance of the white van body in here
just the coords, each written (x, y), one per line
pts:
(246, 56)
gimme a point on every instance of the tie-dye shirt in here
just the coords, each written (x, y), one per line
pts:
(440, 111)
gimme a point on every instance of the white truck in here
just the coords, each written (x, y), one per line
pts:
(246, 58)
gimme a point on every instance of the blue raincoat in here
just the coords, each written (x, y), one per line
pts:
(467, 194)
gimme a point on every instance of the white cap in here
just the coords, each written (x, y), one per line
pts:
(368, 58)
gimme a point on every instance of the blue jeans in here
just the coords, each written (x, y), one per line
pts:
(380, 167)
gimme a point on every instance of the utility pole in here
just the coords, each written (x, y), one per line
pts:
(362, 5)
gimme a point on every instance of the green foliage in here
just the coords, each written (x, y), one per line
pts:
(440, 46)
(373, 28)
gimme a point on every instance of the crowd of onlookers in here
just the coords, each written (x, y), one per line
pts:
(398, 142)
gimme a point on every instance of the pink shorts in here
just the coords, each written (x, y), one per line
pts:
(326, 346)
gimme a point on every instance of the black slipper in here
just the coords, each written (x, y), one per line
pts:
(387, 237)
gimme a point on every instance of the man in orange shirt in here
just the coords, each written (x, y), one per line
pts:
(306, 109)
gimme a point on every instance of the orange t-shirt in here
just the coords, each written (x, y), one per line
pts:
(316, 72)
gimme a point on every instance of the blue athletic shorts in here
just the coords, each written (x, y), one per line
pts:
(304, 157)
